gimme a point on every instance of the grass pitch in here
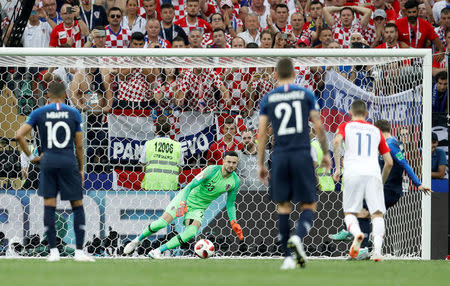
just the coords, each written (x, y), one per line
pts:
(230, 272)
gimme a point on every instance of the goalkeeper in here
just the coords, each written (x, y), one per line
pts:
(192, 201)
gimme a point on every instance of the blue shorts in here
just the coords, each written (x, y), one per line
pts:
(64, 180)
(292, 177)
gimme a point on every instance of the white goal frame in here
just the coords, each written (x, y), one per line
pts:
(425, 54)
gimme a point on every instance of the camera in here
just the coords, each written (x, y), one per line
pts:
(284, 36)
(69, 10)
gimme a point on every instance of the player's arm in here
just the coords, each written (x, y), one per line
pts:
(398, 157)
(263, 137)
(322, 137)
(231, 210)
(21, 134)
(337, 143)
(79, 150)
(388, 162)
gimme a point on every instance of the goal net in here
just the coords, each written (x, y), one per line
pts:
(207, 97)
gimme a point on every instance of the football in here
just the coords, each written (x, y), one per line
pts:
(204, 248)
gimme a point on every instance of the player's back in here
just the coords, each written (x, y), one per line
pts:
(57, 124)
(362, 142)
(288, 108)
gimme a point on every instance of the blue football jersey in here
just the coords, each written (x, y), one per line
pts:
(56, 124)
(395, 178)
(288, 108)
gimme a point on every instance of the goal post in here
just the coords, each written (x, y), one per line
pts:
(393, 75)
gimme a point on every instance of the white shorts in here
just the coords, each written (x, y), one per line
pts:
(357, 188)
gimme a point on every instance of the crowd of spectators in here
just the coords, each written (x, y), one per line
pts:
(382, 24)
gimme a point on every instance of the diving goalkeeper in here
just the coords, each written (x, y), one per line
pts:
(192, 201)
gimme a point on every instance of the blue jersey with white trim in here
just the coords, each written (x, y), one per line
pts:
(288, 108)
(56, 124)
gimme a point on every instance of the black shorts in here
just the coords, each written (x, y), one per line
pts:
(63, 180)
(292, 177)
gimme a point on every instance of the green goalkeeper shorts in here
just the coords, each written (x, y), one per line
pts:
(194, 214)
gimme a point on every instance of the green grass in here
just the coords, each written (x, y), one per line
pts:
(230, 272)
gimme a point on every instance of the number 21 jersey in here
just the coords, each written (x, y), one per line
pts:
(362, 142)
(288, 108)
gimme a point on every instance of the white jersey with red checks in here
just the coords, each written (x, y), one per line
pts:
(363, 141)
(120, 40)
(441, 34)
(237, 82)
(135, 87)
(199, 89)
(61, 34)
(261, 87)
(286, 29)
(201, 24)
(179, 9)
(304, 78)
(163, 43)
(369, 33)
(342, 35)
(208, 41)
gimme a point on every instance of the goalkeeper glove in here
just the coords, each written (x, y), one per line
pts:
(182, 209)
(237, 229)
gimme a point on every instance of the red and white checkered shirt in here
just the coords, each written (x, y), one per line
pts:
(287, 29)
(163, 43)
(120, 40)
(207, 40)
(441, 34)
(180, 9)
(135, 87)
(342, 35)
(237, 82)
(60, 34)
(200, 24)
(369, 33)
(304, 78)
(199, 89)
(166, 90)
(261, 87)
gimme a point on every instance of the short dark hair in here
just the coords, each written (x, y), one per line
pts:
(391, 25)
(315, 3)
(441, 75)
(281, 6)
(56, 89)
(252, 46)
(162, 125)
(284, 68)
(347, 8)
(167, 6)
(219, 30)
(358, 108)
(114, 9)
(101, 28)
(411, 4)
(138, 36)
(231, 153)
(178, 39)
(325, 29)
(383, 125)
(229, 120)
(445, 11)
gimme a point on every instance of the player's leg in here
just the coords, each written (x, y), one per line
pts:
(352, 199)
(49, 224)
(193, 221)
(48, 188)
(377, 208)
(79, 223)
(162, 222)
(284, 209)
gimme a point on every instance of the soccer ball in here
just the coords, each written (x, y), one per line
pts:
(204, 248)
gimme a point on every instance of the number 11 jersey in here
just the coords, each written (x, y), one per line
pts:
(288, 108)
(362, 142)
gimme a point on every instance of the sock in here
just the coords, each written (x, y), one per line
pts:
(153, 228)
(366, 228)
(79, 222)
(304, 223)
(285, 230)
(49, 224)
(185, 236)
(352, 224)
(378, 234)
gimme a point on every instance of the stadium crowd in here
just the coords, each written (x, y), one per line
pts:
(380, 24)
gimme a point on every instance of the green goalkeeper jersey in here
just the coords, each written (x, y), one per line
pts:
(208, 186)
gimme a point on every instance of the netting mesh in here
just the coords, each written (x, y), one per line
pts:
(122, 98)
